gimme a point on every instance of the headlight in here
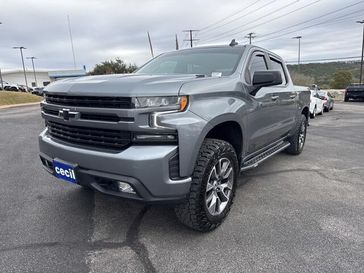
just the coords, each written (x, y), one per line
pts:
(151, 102)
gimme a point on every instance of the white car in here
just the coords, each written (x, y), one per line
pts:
(316, 105)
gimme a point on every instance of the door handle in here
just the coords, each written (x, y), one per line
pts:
(292, 96)
(274, 97)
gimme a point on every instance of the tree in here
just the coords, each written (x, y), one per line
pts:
(342, 79)
(116, 66)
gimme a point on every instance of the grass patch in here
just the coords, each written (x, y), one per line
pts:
(9, 98)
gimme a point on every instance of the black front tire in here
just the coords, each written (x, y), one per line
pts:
(194, 212)
(298, 139)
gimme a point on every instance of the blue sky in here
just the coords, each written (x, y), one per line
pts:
(117, 28)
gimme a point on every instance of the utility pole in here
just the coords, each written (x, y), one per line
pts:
(35, 76)
(1, 80)
(150, 45)
(177, 46)
(191, 39)
(362, 53)
(250, 36)
(22, 60)
(299, 51)
(71, 38)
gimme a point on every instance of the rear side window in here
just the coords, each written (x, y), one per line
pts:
(257, 63)
(278, 66)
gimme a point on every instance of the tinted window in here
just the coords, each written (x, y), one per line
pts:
(257, 64)
(204, 61)
(277, 65)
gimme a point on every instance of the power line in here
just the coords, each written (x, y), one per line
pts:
(250, 22)
(329, 21)
(292, 26)
(211, 36)
(278, 17)
(318, 17)
(231, 15)
(191, 39)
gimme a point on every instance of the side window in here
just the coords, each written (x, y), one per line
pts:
(277, 65)
(257, 63)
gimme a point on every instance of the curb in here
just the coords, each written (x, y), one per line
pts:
(19, 105)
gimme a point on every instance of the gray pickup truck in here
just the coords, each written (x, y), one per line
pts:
(179, 130)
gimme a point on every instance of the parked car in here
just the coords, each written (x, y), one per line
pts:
(38, 91)
(11, 87)
(354, 91)
(3, 85)
(316, 104)
(328, 100)
(179, 130)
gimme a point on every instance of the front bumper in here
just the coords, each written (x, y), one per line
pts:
(146, 168)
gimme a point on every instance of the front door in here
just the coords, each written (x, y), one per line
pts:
(264, 116)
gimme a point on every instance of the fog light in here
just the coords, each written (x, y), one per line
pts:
(125, 187)
(155, 137)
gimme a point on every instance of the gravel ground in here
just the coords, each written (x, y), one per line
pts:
(291, 214)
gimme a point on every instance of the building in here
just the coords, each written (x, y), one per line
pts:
(43, 77)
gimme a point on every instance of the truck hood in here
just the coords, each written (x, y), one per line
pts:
(122, 85)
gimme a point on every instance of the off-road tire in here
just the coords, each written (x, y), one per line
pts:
(295, 148)
(194, 212)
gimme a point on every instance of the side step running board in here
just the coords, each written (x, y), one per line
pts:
(255, 161)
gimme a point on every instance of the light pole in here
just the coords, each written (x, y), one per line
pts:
(299, 50)
(22, 60)
(362, 52)
(35, 76)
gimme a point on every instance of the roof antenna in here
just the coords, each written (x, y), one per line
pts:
(233, 43)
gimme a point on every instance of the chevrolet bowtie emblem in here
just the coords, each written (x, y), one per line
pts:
(67, 114)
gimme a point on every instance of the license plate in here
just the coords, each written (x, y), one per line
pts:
(64, 171)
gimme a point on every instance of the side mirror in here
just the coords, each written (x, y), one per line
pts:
(265, 78)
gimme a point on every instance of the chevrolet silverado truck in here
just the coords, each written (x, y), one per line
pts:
(179, 130)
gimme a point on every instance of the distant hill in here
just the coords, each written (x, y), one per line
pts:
(323, 73)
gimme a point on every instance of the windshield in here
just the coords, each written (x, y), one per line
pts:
(202, 61)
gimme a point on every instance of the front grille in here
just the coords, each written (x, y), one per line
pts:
(50, 111)
(90, 101)
(91, 137)
(92, 116)
(105, 117)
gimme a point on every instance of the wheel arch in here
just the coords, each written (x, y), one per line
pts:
(306, 112)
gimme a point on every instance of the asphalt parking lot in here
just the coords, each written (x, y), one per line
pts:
(291, 214)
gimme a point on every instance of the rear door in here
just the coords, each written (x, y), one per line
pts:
(264, 118)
